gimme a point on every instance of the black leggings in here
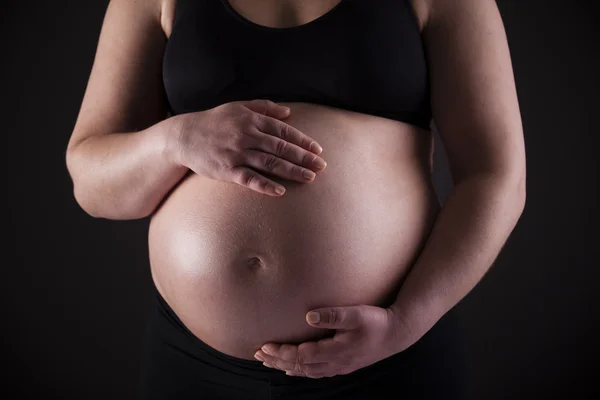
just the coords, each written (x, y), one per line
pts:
(176, 365)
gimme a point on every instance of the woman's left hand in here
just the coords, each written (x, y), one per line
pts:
(365, 335)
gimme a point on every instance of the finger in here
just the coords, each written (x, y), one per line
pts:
(287, 352)
(283, 365)
(253, 180)
(280, 129)
(277, 166)
(336, 318)
(325, 350)
(318, 370)
(286, 150)
(267, 107)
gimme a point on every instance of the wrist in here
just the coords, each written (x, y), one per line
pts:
(170, 137)
(403, 331)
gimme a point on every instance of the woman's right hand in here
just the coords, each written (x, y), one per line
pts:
(233, 141)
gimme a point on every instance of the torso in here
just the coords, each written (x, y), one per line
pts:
(242, 269)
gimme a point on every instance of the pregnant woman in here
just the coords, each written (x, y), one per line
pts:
(283, 153)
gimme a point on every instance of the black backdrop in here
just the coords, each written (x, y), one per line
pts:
(75, 289)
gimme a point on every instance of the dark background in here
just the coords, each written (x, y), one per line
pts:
(76, 289)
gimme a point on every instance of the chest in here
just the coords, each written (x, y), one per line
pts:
(365, 53)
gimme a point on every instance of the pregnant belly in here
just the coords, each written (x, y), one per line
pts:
(242, 268)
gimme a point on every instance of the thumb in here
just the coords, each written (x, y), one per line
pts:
(335, 317)
(269, 108)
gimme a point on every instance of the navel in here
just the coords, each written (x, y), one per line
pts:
(254, 263)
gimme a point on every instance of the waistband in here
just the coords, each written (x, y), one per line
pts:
(176, 335)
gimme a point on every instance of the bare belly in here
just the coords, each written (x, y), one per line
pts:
(242, 268)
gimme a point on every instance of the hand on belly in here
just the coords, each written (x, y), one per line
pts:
(236, 141)
(364, 335)
(242, 269)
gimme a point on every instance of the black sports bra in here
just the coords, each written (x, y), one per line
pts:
(362, 55)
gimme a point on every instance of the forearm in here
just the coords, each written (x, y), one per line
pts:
(466, 238)
(124, 175)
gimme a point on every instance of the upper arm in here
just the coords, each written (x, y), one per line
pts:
(473, 94)
(124, 91)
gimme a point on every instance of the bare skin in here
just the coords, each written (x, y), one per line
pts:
(242, 268)
(282, 14)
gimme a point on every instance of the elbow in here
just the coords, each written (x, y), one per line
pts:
(521, 202)
(515, 188)
(88, 196)
(512, 180)
(520, 183)
(523, 196)
(508, 186)
(90, 203)
(84, 203)
(81, 196)
(70, 161)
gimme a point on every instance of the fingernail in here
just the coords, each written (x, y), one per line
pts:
(320, 163)
(258, 357)
(314, 317)
(308, 174)
(279, 190)
(316, 148)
